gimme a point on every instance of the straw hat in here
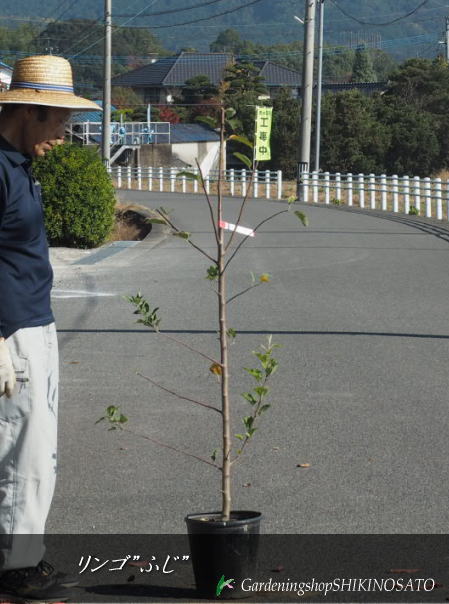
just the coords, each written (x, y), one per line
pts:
(44, 80)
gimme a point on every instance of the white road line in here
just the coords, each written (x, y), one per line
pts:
(78, 293)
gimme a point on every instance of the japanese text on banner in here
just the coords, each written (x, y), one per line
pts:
(263, 132)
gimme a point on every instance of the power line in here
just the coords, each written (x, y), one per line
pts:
(78, 42)
(232, 10)
(54, 20)
(176, 10)
(152, 3)
(334, 2)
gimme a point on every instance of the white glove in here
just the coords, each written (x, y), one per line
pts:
(7, 373)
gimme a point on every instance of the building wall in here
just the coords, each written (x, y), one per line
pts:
(156, 155)
(206, 153)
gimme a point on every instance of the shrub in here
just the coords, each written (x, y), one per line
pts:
(78, 196)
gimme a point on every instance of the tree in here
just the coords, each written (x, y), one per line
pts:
(125, 98)
(198, 89)
(353, 139)
(362, 70)
(241, 88)
(227, 41)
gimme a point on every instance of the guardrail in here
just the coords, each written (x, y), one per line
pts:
(265, 183)
(427, 197)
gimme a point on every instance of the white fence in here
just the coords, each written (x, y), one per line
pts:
(406, 195)
(266, 183)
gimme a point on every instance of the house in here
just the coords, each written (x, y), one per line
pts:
(5, 76)
(160, 81)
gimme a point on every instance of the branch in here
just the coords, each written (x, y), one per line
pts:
(209, 203)
(184, 398)
(191, 242)
(173, 339)
(254, 230)
(157, 442)
(241, 209)
(242, 292)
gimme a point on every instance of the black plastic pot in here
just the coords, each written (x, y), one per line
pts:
(223, 550)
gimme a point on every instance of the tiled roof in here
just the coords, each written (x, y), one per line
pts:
(175, 71)
(189, 65)
(149, 75)
(277, 75)
(192, 133)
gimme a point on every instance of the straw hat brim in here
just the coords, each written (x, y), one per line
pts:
(29, 96)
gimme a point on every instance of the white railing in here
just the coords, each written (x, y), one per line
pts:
(427, 197)
(126, 133)
(264, 183)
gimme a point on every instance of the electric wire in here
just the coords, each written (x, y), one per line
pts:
(40, 34)
(176, 10)
(342, 10)
(232, 10)
(152, 3)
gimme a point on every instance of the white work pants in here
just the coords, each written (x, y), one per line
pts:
(28, 438)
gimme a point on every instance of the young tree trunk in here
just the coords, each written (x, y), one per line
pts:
(226, 464)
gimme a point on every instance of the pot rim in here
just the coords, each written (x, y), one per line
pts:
(243, 517)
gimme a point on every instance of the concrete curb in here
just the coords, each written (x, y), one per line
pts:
(80, 257)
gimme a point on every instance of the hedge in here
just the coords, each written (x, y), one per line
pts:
(78, 196)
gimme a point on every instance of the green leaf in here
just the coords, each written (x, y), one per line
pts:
(271, 367)
(241, 139)
(249, 397)
(264, 408)
(302, 217)
(248, 421)
(231, 333)
(291, 199)
(230, 112)
(261, 390)
(235, 124)
(182, 234)
(206, 119)
(256, 373)
(156, 220)
(212, 273)
(214, 454)
(250, 432)
(190, 175)
(240, 436)
(244, 159)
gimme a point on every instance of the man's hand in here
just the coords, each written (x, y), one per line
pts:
(7, 373)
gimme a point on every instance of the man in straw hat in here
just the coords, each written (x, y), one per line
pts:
(32, 121)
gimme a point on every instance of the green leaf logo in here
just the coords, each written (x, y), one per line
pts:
(222, 583)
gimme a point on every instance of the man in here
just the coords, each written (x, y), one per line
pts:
(32, 121)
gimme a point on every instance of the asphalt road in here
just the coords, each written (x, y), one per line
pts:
(359, 304)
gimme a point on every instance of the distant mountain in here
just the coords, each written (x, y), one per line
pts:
(267, 21)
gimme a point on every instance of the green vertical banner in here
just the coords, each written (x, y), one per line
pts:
(264, 117)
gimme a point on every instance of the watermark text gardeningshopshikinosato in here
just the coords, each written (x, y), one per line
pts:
(339, 585)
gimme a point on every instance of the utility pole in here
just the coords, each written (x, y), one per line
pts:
(447, 39)
(307, 92)
(319, 86)
(106, 148)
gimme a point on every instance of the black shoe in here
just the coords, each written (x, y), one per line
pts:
(31, 584)
(60, 578)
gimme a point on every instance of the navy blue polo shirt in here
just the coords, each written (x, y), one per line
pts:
(26, 275)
